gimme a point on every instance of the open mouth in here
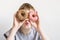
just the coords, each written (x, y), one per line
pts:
(27, 22)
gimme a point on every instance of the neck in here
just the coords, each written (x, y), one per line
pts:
(25, 31)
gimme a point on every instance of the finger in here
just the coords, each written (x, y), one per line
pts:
(21, 23)
(33, 23)
(14, 20)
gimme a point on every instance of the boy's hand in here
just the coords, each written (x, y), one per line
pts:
(17, 24)
(36, 24)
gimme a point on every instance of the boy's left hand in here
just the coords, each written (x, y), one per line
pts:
(36, 24)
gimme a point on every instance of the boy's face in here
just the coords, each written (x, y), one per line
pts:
(27, 24)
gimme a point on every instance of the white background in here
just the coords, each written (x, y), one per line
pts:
(48, 10)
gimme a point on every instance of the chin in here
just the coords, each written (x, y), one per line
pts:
(26, 26)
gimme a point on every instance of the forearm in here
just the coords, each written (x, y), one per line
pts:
(43, 37)
(42, 34)
(12, 33)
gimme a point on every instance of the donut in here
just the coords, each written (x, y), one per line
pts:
(33, 16)
(21, 15)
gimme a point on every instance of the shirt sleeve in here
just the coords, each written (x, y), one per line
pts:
(6, 34)
(37, 36)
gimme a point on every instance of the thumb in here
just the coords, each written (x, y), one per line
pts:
(21, 23)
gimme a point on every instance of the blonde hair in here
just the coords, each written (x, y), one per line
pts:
(26, 6)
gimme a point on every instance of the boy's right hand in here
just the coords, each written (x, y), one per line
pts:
(16, 23)
(16, 26)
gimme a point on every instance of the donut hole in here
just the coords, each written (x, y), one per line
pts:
(23, 14)
(33, 15)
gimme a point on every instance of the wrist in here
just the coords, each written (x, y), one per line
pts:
(13, 30)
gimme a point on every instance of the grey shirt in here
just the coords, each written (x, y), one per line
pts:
(33, 35)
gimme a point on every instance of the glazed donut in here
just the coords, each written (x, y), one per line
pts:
(33, 15)
(21, 15)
